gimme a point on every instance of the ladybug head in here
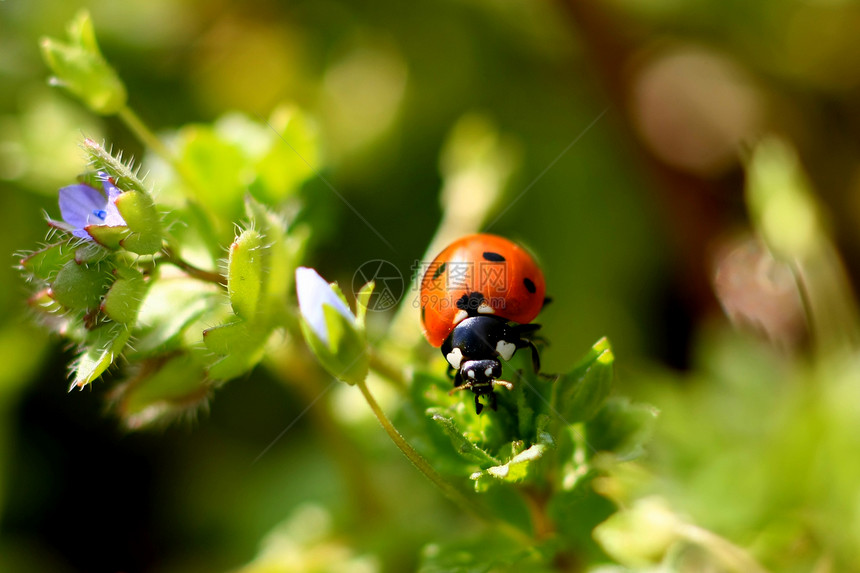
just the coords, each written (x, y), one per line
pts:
(481, 373)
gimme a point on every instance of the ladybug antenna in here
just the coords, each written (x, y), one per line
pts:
(466, 386)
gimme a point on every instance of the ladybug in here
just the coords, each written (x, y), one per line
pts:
(477, 299)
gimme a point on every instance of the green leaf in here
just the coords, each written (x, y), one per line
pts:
(109, 237)
(80, 68)
(465, 448)
(123, 300)
(639, 537)
(345, 356)
(124, 174)
(490, 553)
(239, 345)
(101, 348)
(170, 307)
(44, 264)
(91, 252)
(514, 470)
(281, 258)
(80, 287)
(245, 273)
(578, 395)
(781, 201)
(143, 220)
(217, 170)
(361, 301)
(622, 428)
(289, 160)
(161, 390)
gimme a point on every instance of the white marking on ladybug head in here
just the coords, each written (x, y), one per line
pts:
(460, 316)
(484, 308)
(488, 372)
(455, 357)
(470, 373)
(506, 349)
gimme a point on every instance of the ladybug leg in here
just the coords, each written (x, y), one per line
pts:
(527, 343)
(479, 406)
(493, 404)
(526, 329)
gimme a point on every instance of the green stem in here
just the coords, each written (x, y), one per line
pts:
(149, 139)
(191, 270)
(143, 133)
(424, 467)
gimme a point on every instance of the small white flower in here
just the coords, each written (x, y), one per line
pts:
(314, 292)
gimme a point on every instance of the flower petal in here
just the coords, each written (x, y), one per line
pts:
(313, 292)
(80, 204)
(113, 218)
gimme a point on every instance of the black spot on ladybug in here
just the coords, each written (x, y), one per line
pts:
(495, 257)
(530, 286)
(439, 270)
(470, 302)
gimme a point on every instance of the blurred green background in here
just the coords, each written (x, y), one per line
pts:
(630, 120)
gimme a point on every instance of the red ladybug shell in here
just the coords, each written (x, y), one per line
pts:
(507, 276)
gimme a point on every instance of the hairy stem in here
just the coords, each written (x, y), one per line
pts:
(424, 467)
(145, 135)
(209, 276)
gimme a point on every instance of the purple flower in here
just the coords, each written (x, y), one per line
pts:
(82, 206)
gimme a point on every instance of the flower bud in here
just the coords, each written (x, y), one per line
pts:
(330, 328)
(80, 67)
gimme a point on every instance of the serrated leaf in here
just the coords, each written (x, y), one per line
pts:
(622, 428)
(514, 470)
(245, 273)
(465, 448)
(102, 347)
(578, 395)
